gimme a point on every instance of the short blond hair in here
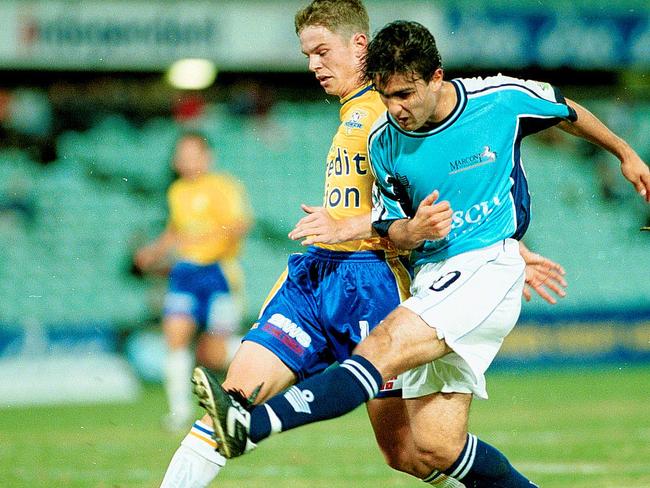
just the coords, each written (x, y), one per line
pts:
(346, 17)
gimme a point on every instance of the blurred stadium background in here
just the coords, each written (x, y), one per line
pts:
(89, 111)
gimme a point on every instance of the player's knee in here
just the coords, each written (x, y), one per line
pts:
(438, 453)
(399, 459)
(383, 338)
(418, 461)
(179, 331)
(386, 344)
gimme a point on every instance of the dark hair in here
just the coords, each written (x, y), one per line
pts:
(402, 47)
(345, 17)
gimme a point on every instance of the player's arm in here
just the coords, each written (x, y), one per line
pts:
(589, 127)
(432, 221)
(147, 256)
(542, 275)
(318, 226)
(393, 216)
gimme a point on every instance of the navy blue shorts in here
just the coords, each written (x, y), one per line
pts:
(198, 291)
(328, 302)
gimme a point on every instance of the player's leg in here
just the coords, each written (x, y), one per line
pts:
(213, 351)
(180, 323)
(217, 345)
(402, 341)
(179, 330)
(391, 423)
(222, 314)
(438, 393)
(196, 462)
(272, 355)
(455, 296)
(357, 291)
(445, 448)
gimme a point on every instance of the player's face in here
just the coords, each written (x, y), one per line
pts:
(191, 158)
(334, 59)
(410, 100)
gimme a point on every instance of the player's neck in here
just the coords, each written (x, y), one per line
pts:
(194, 175)
(446, 104)
(354, 86)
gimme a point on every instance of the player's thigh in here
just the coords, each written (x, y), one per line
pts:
(439, 426)
(401, 342)
(179, 330)
(255, 365)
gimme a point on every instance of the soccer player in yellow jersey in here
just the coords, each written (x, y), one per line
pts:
(209, 217)
(331, 296)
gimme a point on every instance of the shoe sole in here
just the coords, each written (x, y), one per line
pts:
(206, 399)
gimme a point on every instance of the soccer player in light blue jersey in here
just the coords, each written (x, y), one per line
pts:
(450, 187)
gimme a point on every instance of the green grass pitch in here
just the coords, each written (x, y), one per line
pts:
(579, 428)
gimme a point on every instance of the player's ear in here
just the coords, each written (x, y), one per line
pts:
(437, 78)
(360, 43)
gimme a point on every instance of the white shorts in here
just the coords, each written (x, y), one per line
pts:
(473, 301)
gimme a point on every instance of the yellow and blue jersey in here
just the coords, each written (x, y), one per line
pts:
(201, 211)
(206, 281)
(333, 295)
(348, 179)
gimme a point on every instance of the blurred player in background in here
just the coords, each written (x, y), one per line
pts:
(209, 216)
(348, 279)
(459, 140)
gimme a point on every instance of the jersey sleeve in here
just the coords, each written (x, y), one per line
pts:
(387, 206)
(538, 105)
(239, 210)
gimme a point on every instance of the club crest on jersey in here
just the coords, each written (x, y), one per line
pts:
(486, 156)
(354, 121)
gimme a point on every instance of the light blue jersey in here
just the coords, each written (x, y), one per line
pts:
(473, 158)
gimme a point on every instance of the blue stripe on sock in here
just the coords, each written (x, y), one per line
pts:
(202, 429)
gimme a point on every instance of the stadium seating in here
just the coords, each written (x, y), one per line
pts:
(67, 245)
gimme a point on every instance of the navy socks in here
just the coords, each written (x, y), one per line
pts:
(330, 394)
(482, 466)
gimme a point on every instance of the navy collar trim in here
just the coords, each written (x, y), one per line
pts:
(461, 103)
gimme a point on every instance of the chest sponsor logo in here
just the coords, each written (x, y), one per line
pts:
(474, 214)
(486, 156)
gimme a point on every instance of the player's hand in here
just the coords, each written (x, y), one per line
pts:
(317, 226)
(432, 219)
(542, 275)
(637, 173)
(144, 259)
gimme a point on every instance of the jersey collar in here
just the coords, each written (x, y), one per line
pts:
(357, 93)
(461, 102)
